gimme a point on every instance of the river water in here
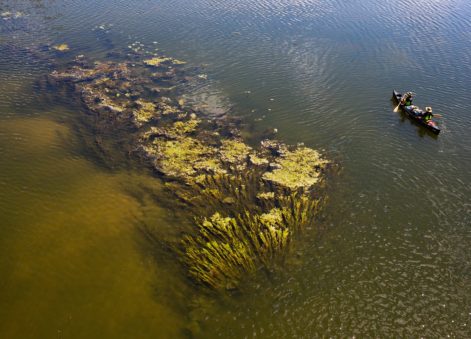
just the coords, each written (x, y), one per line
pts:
(394, 259)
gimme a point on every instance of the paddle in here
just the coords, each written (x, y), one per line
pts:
(396, 109)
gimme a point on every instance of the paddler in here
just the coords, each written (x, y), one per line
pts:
(407, 99)
(427, 116)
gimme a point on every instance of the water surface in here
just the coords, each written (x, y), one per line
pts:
(395, 258)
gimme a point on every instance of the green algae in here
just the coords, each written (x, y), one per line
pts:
(61, 47)
(220, 255)
(156, 61)
(234, 152)
(269, 234)
(244, 221)
(166, 109)
(145, 112)
(227, 248)
(268, 222)
(296, 169)
(257, 160)
(185, 127)
(266, 195)
(178, 62)
(159, 61)
(185, 158)
(272, 218)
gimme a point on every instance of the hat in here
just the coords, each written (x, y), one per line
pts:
(428, 109)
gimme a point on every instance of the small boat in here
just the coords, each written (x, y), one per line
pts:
(416, 114)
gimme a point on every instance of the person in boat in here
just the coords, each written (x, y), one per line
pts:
(427, 116)
(407, 99)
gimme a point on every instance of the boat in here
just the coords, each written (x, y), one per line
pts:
(416, 114)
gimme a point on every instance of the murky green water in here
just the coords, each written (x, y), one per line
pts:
(395, 258)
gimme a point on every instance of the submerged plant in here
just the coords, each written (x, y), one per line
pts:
(297, 169)
(250, 202)
(156, 62)
(184, 158)
(144, 113)
(220, 254)
(234, 152)
(260, 233)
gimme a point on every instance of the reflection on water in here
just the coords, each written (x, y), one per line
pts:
(395, 259)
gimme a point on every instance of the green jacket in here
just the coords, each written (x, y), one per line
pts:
(427, 116)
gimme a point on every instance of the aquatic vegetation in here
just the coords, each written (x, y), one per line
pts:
(185, 158)
(184, 127)
(227, 248)
(156, 62)
(220, 255)
(105, 103)
(249, 203)
(144, 113)
(61, 47)
(299, 210)
(166, 109)
(257, 161)
(268, 221)
(81, 71)
(269, 235)
(178, 62)
(266, 195)
(159, 61)
(234, 152)
(300, 168)
(173, 132)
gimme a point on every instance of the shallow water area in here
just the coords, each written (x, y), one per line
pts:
(394, 257)
(58, 209)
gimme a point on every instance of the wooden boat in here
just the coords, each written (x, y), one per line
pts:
(416, 114)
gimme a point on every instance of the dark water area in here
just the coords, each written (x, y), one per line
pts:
(395, 257)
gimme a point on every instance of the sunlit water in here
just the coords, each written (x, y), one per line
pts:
(395, 257)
